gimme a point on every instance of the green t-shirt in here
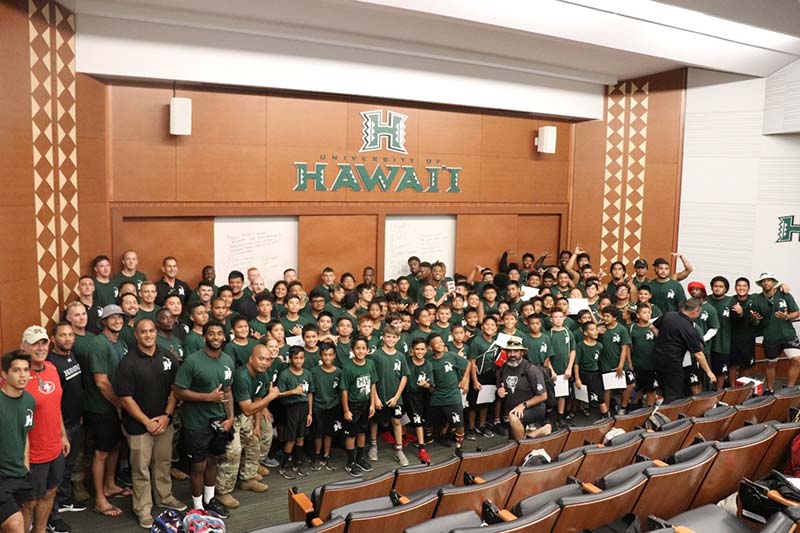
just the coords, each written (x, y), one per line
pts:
(288, 380)
(721, 343)
(326, 388)
(337, 311)
(563, 342)
(288, 324)
(104, 293)
(312, 359)
(419, 373)
(128, 335)
(240, 354)
(246, 387)
(391, 369)
(668, 295)
(343, 354)
(460, 351)
(444, 331)
(193, 342)
(484, 353)
(643, 340)
(173, 345)
(147, 314)
(104, 356)
(774, 329)
(613, 340)
(16, 419)
(202, 373)
(539, 348)
(447, 372)
(706, 321)
(138, 278)
(358, 380)
(587, 357)
(258, 326)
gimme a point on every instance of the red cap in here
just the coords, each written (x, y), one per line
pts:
(697, 285)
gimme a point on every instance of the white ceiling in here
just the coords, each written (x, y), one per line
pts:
(599, 41)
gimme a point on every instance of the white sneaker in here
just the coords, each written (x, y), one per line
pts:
(372, 454)
(401, 457)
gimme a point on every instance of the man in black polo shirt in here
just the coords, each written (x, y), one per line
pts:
(170, 284)
(143, 383)
(522, 386)
(676, 336)
(69, 373)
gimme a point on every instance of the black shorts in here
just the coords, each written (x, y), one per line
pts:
(14, 491)
(593, 381)
(447, 414)
(382, 416)
(719, 363)
(416, 405)
(693, 376)
(106, 430)
(743, 353)
(472, 394)
(296, 417)
(199, 444)
(46, 476)
(278, 411)
(326, 422)
(773, 349)
(646, 380)
(360, 422)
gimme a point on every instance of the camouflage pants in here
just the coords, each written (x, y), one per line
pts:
(241, 456)
(266, 436)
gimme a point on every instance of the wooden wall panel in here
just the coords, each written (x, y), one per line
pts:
(446, 132)
(481, 239)
(190, 240)
(587, 186)
(19, 308)
(348, 243)
(538, 233)
(221, 173)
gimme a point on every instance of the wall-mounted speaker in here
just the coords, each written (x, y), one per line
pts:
(180, 116)
(546, 140)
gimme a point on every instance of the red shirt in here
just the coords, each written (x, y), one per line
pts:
(45, 437)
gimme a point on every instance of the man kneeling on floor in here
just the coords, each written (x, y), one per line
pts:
(521, 385)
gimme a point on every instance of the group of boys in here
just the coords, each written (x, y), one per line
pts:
(212, 373)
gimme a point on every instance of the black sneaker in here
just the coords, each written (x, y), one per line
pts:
(486, 431)
(300, 470)
(499, 429)
(316, 466)
(286, 472)
(353, 470)
(216, 506)
(471, 434)
(329, 465)
(71, 506)
(58, 526)
(364, 464)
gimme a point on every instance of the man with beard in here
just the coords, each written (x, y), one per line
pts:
(105, 353)
(775, 310)
(521, 385)
(69, 373)
(203, 384)
(743, 330)
(666, 293)
(165, 324)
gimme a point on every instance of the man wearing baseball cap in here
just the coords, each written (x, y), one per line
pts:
(48, 444)
(640, 268)
(774, 310)
(105, 352)
(522, 387)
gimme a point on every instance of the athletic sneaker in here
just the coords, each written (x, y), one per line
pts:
(424, 456)
(471, 434)
(270, 462)
(299, 470)
(71, 506)
(216, 506)
(58, 526)
(316, 465)
(286, 472)
(486, 431)
(364, 465)
(373, 452)
(499, 429)
(328, 463)
(400, 457)
(353, 470)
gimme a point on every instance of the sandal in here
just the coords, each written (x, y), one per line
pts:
(124, 493)
(112, 511)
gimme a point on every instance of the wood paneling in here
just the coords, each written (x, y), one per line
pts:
(347, 243)
(144, 171)
(450, 133)
(20, 307)
(14, 14)
(222, 172)
(95, 232)
(536, 233)
(190, 240)
(18, 244)
(587, 188)
(481, 239)
(225, 118)
(317, 124)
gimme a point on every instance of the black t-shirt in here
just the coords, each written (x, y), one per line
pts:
(181, 288)
(69, 373)
(93, 324)
(247, 307)
(676, 336)
(522, 382)
(148, 380)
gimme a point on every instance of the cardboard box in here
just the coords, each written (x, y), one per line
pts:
(758, 386)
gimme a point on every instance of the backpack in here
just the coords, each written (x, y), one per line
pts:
(755, 502)
(201, 521)
(168, 521)
(656, 421)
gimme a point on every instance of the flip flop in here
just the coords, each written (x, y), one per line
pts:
(124, 493)
(112, 511)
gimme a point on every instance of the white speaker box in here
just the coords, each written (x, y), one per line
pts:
(546, 141)
(180, 116)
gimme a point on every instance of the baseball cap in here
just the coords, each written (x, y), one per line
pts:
(766, 275)
(660, 261)
(696, 285)
(640, 263)
(34, 334)
(110, 310)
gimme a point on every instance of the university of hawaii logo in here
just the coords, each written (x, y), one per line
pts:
(787, 228)
(393, 130)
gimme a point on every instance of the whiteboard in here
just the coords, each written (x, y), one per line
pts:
(431, 238)
(267, 243)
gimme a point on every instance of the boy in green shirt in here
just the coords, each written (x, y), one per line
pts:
(616, 354)
(344, 327)
(587, 370)
(359, 395)
(538, 343)
(458, 344)
(258, 325)
(451, 382)
(242, 344)
(310, 346)
(442, 324)
(194, 341)
(392, 379)
(327, 409)
(482, 355)
(563, 355)
(296, 387)
(416, 396)
(643, 340)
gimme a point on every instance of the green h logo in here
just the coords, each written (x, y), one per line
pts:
(787, 228)
(375, 129)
